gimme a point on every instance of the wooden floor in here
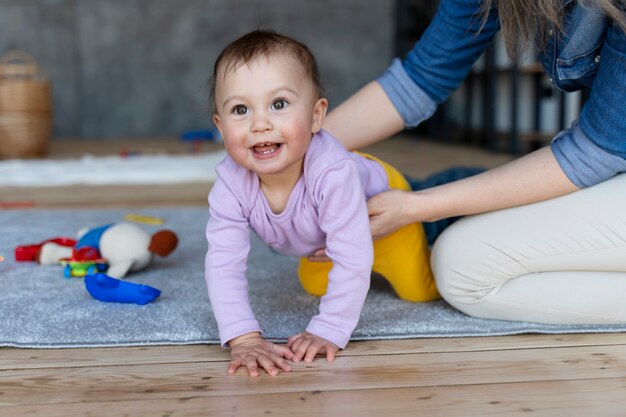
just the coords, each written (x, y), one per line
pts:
(565, 375)
(526, 375)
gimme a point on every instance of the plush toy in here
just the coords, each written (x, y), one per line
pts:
(125, 246)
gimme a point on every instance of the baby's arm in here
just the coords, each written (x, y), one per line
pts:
(228, 237)
(343, 217)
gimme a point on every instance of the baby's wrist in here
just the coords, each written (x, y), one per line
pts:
(244, 338)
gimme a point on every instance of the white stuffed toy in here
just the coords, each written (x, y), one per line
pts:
(125, 246)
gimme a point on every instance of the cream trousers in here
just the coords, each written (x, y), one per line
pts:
(561, 261)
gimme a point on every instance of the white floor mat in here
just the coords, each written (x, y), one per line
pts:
(141, 169)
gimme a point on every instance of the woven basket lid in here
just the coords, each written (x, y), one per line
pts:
(19, 64)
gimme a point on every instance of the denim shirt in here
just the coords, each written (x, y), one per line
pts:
(589, 53)
(572, 58)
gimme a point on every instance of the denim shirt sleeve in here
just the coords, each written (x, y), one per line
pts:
(595, 148)
(456, 37)
(582, 161)
(440, 60)
(413, 104)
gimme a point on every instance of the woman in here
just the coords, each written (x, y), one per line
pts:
(550, 244)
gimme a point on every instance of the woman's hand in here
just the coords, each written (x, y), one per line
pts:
(389, 211)
(251, 351)
(306, 346)
(319, 256)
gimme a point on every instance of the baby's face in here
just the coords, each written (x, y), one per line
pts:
(267, 111)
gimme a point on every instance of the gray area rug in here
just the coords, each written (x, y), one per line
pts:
(40, 308)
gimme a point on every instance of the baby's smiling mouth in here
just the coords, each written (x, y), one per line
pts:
(266, 149)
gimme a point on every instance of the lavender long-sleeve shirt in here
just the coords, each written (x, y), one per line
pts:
(327, 207)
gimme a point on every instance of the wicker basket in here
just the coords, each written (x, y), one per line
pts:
(25, 107)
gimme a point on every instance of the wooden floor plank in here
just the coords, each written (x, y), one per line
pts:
(11, 358)
(158, 381)
(474, 344)
(579, 398)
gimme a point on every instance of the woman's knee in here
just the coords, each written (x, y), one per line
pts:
(458, 263)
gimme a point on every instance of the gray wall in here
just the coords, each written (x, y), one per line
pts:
(124, 68)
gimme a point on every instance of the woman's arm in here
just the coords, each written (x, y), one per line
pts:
(534, 177)
(365, 118)
(409, 91)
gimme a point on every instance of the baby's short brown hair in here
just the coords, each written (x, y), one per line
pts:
(263, 43)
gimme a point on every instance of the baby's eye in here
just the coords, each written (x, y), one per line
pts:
(279, 104)
(240, 109)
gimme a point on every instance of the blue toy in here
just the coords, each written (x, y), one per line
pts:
(200, 134)
(104, 288)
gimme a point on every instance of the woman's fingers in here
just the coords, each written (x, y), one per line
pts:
(319, 256)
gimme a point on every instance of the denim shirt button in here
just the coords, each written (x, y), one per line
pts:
(597, 59)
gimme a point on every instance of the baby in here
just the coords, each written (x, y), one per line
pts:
(299, 190)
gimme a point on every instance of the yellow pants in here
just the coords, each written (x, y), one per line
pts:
(402, 258)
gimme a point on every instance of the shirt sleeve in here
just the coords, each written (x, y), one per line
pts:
(228, 236)
(440, 60)
(413, 104)
(582, 161)
(595, 149)
(343, 217)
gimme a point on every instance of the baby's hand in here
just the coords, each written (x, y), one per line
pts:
(251, 351)
(306, 345)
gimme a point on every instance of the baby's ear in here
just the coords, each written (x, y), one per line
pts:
(218, 123)
(319, 114)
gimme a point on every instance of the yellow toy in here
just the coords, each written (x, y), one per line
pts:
(140, 218)
(402, 258)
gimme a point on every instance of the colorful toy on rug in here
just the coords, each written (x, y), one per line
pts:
(85, 260)
(125, 247)
(104, 288)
